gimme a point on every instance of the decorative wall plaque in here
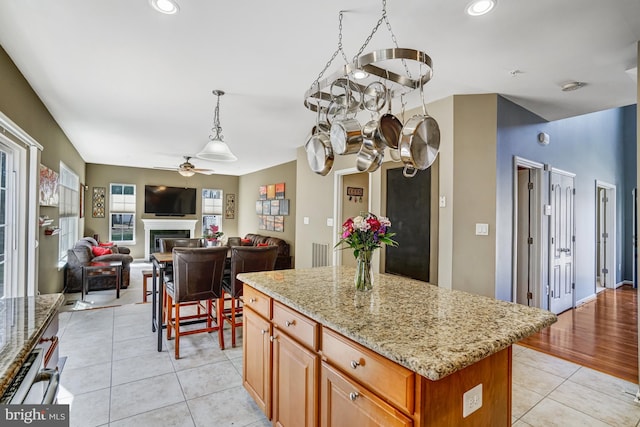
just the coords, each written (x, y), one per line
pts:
(98, 202)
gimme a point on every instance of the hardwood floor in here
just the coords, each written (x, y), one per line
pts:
(601, 334)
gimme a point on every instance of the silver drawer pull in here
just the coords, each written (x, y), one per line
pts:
(272, 338)
(288, 323)
(353, 395)
(354, 364)
(252, 300)
(263, 331)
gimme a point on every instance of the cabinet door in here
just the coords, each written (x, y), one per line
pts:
(295, 384)
(345, 403)
(256, 350)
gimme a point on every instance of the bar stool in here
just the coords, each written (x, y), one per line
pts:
(244, 259)
(197, 277)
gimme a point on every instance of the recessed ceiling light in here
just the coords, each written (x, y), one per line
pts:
(567, 87)
(168, 7)
(480, 7)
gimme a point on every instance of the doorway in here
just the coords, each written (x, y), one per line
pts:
(605, 274)
(527, 266)
(348, 205)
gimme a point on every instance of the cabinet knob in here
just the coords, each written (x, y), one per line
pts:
(252, 300)
(353, 395)
(272, 338)
(288, 323)
(354, 364)
(263, 331)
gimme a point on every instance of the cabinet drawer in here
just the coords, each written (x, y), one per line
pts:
(295, 325)
(259, 302)
(391, 381)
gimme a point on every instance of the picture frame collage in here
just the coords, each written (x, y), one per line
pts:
(272, 207)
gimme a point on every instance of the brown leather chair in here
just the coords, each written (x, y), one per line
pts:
(234, 241)
(197, 277)
(167, 244)
(244, 259)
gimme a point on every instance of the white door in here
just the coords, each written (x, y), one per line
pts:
(562, 241)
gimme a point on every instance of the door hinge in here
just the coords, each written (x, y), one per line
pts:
(605, 235)
(547, 289)
(605, 199)
(530, 185)
(573, 191)
(529, 295)
(573, 238)
(605, 271)
(530, 240)
(573, 286)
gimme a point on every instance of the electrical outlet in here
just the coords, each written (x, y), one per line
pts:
(471, 401)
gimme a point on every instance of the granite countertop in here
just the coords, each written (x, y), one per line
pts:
(430, 330)
(22, 322)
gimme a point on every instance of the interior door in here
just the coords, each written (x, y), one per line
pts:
(562, 241)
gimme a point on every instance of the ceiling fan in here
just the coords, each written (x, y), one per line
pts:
(188, 169)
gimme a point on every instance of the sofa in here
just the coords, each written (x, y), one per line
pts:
(85, 251)
(284, 259)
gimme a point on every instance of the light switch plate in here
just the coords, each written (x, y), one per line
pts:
(305, 220)
(443, 201)
(329, 222)
(482, 229)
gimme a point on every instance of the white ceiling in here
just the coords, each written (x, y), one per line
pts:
(132, 87)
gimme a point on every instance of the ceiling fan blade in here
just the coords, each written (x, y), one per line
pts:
(204, 171)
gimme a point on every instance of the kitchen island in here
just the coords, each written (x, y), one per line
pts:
(23, 322)
(316, 352)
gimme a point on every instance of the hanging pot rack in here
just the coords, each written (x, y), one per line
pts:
(379, 65)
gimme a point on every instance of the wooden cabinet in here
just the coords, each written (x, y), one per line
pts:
(295, 384)
(346, 403)
(256, 351)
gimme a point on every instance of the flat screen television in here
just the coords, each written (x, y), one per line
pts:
(169, 201)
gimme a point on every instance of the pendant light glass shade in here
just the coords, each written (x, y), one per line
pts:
(216, 149)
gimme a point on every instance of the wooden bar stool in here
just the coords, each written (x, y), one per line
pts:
(146, 275)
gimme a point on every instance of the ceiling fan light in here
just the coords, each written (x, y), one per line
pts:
(186, 172)
(217, 150)
(480, 7)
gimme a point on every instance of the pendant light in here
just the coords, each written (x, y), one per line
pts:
(216, 149)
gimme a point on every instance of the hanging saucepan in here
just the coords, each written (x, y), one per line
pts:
(420, 141)
(390, 127)
(369, 157)
(319, 153)
(373, 98)
(346, 132)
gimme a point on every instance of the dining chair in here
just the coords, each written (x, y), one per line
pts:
(234, 241)
(244, 259)
(197, 277)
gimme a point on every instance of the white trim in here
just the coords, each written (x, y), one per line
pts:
(537, 253)
(168, 224)
(17, 131)
(611, 230)
(337, 208)
(586, 300)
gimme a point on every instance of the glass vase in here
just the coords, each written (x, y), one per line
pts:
(364, 276)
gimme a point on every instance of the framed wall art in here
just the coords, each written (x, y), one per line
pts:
(98, 202)
(48, 186)
(230, 206)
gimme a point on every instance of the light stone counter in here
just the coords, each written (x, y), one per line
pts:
(22, 323)
(430, 330)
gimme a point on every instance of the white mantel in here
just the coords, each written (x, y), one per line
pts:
(166, 224)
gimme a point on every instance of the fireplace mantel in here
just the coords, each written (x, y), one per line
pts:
(166, 224)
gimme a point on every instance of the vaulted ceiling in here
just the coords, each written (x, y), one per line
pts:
(132, 87)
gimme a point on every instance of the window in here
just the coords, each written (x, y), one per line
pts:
(68, 211)
(122, 213)
(211, 209)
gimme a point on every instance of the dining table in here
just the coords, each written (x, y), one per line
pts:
(160, 262)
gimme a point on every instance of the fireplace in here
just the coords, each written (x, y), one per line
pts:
(159, 228)
(156, 235)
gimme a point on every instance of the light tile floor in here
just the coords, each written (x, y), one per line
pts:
(114, 376)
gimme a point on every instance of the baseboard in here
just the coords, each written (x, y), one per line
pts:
(586, 300)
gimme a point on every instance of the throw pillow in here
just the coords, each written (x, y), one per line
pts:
(261, 245)
(246, 242)
(106, 244)
(98, 251)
